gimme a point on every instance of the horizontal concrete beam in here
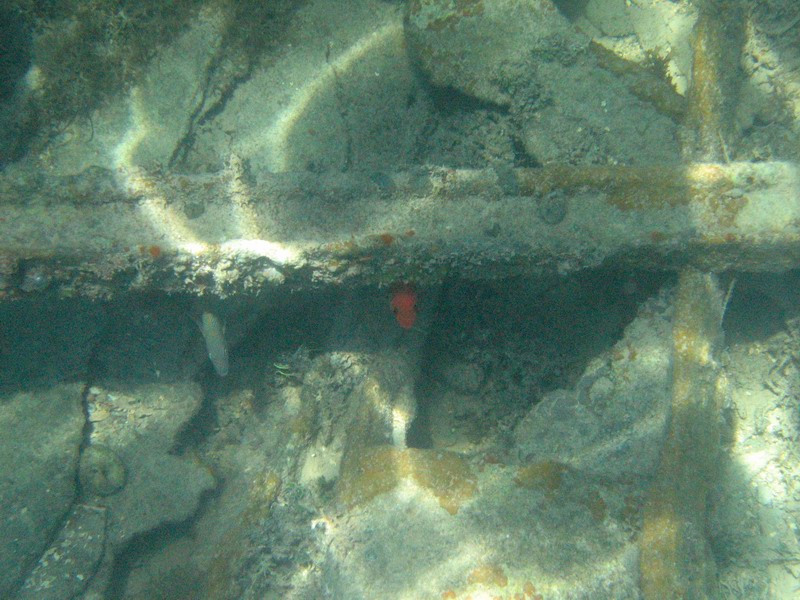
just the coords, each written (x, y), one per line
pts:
(101, 233)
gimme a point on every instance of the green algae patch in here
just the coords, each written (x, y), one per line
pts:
(234, 547)
(446, 475)
(377, 470)
(545, 475)
(368, 473)
(101, 472)
(261, 496)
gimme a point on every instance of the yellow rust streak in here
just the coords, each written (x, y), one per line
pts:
(675, 559)
(632, 188)
(705, 96)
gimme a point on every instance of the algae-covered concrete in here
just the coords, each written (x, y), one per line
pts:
(104, 233)
(543, 416)
(42, 433)
(334, 161)
(130, 483)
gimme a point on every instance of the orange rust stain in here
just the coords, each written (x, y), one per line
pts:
(387, 239)
(344, 249)
(488, 574)
(491, 459)
(630, 511)
(377, 470)
(154, 251)
(640, 188)
(546, 474)
(529, 589)
(462, 8)
(597, 507)
(716, 239)
(726, 210)
(449, 595)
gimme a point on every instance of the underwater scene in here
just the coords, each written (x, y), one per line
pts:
(399, 299)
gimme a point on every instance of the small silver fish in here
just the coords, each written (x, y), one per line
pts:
(214, 334)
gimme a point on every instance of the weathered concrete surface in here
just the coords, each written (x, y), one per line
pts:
(613, 422)
(102, 233)
(527, 56)
(130, 482)
(65, 569)
(443, 36)
(42, 432)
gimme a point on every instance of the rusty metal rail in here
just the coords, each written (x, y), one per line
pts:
(102, 233)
